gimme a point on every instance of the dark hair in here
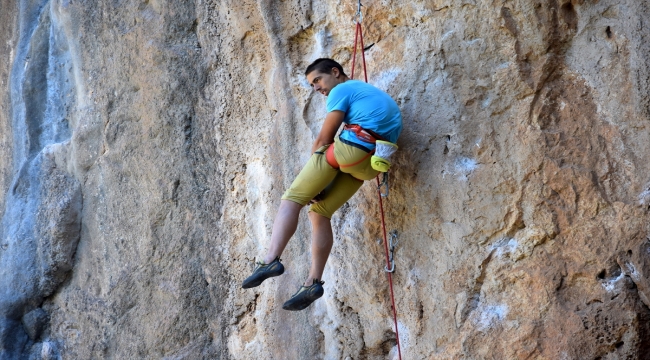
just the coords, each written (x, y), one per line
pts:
(324, 65)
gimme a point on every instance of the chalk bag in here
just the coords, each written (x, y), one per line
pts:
(383, 152)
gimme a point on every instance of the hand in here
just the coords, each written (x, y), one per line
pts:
(316, 199)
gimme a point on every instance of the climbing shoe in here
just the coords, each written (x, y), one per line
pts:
(262, 272)
(305, 296)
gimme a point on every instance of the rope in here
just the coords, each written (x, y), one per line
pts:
(388, 264)
(359, 35)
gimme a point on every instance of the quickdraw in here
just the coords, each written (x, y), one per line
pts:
(383, 184)
(393, 245)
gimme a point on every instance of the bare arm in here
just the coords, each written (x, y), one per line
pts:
(331, 125)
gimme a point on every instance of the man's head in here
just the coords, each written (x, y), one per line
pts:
(324, 74)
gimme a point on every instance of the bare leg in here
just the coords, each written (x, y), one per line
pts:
(284, 226)
(321, 245)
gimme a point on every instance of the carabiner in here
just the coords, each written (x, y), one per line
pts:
(393, 243)
(384, 184)
(358, 17)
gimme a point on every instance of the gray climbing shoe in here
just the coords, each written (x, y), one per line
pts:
(305, 296)
(262, 272)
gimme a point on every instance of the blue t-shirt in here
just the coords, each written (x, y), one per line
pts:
(368, 107)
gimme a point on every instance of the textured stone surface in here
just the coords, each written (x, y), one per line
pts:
(144, 146)
(35, 322)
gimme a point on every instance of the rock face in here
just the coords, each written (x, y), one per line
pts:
(144, 146)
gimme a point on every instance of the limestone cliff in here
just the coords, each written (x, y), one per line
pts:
(144, 146)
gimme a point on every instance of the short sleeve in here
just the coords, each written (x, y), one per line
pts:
(338, 99)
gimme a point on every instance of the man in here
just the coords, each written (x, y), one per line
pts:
(334, 172)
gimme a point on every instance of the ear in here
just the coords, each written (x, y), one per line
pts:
(336, 72)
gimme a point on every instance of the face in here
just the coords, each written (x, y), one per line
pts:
(324, 83)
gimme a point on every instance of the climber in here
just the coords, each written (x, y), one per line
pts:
(335, 171)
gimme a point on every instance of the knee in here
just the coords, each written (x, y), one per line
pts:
(318, 216)
(289, 206)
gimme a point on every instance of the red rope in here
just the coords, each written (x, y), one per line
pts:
(359, 35)
(388, 265)
(354, 51)
(363, 53)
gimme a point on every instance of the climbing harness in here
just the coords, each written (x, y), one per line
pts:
(390, 261)
(363, 134)
(331, 159)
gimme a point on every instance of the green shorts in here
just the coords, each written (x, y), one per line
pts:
(336, 186)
